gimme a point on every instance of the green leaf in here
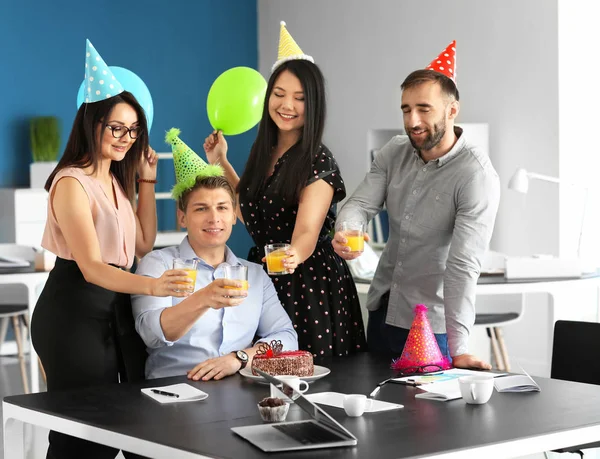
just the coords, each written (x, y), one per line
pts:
(44, 134)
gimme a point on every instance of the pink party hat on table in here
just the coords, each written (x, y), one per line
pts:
(421, 349)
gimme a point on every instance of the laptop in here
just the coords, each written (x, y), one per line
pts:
(322, 431)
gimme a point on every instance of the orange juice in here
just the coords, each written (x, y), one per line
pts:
(191, 274)
(243, 287)
(356, 241)
(275, 262)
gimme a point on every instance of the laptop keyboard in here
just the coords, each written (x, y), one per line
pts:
(307, 433)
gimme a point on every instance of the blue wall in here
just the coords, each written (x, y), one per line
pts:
(178, 48)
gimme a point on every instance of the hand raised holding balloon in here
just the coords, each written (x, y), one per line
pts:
(215, 147)
(235, 100)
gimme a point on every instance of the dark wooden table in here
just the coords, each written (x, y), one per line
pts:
(562, 414)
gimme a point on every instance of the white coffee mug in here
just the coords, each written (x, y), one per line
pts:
(356, 404)
(293, 381)
(476, 389)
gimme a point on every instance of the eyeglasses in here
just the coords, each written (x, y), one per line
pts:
(120, 131)
(423, 369)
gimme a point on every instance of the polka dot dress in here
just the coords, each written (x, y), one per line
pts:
(320, 296)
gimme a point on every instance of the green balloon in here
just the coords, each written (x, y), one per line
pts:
(235, 100)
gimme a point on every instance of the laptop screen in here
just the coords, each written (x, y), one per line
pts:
(311, 408)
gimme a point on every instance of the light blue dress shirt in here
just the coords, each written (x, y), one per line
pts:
(219, 331)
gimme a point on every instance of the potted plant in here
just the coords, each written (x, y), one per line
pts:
(44, 134)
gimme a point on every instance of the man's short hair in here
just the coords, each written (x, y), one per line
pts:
(209, 183)
(421, 76)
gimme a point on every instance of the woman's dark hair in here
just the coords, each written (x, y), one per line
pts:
(295, 170)
(82, 148)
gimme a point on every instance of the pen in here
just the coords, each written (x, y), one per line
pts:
(378, 388)
(166, 394)
(409, 382)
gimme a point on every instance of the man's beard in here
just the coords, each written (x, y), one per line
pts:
(432, 140)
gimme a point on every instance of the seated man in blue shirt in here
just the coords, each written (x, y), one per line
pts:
(208, 335)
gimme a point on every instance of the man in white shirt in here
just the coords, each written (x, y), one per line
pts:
(208, 335)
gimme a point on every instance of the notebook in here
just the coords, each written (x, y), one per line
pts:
(184, 392)
(516, 383)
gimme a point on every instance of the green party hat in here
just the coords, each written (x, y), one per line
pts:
(188, 165)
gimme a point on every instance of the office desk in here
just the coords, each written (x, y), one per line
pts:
(562, 414)
(562, 305)
(499, 285)
(32, 281)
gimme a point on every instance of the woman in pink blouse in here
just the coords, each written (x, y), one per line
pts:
(96, 230)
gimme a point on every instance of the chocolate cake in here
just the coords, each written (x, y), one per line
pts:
(273, 361)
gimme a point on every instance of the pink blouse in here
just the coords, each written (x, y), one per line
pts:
(115, 227)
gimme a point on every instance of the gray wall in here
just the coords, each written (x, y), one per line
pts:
(507, 75)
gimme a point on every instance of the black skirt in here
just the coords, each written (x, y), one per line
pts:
(72, 330)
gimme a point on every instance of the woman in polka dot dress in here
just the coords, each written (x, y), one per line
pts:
(286, 194)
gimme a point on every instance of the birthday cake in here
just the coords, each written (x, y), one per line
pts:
(271, 359)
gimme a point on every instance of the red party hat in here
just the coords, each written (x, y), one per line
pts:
(445, 63)
(421, 348)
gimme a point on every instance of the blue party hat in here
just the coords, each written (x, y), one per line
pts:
(100, 83)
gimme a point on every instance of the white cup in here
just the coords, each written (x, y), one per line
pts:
(476, 389)
(293, 381)
(356, 404)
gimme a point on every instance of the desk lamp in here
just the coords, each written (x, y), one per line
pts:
(544, 266)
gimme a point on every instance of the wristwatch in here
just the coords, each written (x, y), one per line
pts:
(242, 357)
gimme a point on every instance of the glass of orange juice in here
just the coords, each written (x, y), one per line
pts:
(190, 267)
(238, 273)
(275, 254)
(354, 232)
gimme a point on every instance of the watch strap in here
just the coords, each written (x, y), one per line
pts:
(242, 361)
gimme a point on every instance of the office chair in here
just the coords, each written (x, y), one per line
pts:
(493, 324)
(16, 314)
(574, 359)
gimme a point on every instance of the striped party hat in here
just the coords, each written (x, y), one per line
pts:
(288, 49)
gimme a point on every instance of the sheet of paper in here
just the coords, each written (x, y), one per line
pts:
(186, 392)
(443, 386)
(336, 399)
(441, 391)
(446, 375)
